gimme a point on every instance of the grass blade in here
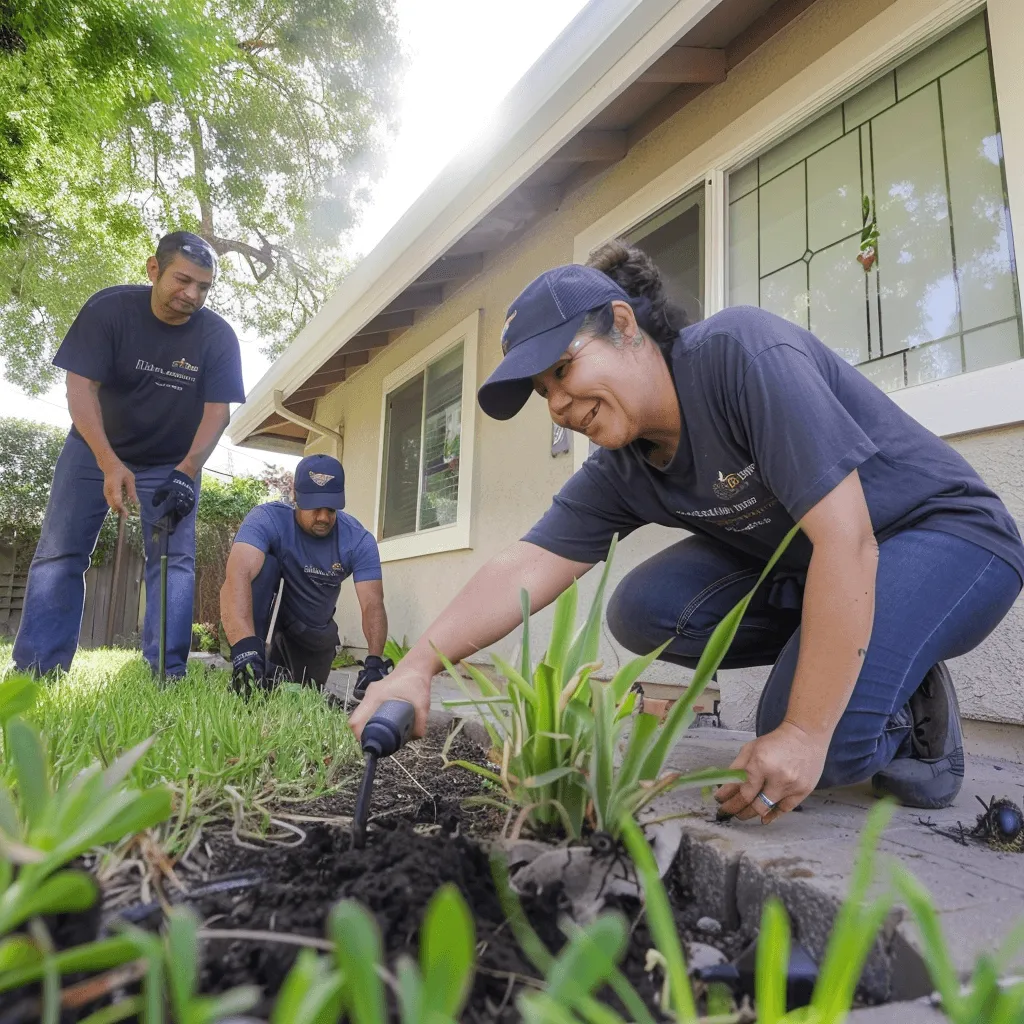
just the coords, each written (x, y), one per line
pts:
(660, 921)
(772, 963)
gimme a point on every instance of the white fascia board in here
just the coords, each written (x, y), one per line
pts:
(606, 46)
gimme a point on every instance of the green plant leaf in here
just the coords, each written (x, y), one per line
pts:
(587, 959)
(26, 753)
(9, 822)
(632, 670)
(357, 954)
(856, 926)
(242, 999)
(936, 952)
(548, 777)
(64, 893)
(92, 957)
(772, 966)
(561, 633)
(681, 713)
(585, 646)
(145, 810)
(514, 678)
(525, 662)
(17, 952)
(122, 767)
(410, 990)
(311, 993)
(660, 920)
(447, 953)
(182, 959)
(17, 694)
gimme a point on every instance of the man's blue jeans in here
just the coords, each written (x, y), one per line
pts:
(55, 596)
(936, 597)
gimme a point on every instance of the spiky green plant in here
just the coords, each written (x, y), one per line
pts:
(557, 730)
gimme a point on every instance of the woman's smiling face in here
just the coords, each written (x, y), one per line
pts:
(601, 386)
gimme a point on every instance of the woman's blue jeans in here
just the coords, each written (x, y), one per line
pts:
(51, 619)
(936, 597)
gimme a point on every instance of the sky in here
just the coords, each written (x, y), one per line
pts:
(463, 57)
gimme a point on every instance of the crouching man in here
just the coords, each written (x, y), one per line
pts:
(312, 548)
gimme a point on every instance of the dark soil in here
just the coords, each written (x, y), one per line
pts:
(422, 835)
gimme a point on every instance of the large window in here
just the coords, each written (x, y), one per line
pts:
(674, 239)
(422, 440)
(919, 150)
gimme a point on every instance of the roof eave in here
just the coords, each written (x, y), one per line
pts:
(598, 55)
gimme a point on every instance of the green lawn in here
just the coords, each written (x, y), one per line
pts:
(223, 755)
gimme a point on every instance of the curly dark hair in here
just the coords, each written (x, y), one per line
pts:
(636, 274)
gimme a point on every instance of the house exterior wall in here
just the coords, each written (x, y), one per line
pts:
(514, 474)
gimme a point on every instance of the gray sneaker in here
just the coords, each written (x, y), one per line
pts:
(931, 772)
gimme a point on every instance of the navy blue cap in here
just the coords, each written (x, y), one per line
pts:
(319, 483)
(540, 324)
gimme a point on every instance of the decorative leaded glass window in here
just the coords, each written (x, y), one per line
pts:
(883, 226)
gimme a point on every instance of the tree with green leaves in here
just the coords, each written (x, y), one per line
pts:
(27, 456)
(255, 123)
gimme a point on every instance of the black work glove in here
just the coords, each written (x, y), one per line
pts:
(374, 668)
(248, 664)
(175, 498)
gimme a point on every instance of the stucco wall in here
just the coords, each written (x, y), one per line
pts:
(514, 474)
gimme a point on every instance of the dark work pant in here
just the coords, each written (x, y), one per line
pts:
(55, 595)
(936, 597)
(296, 653)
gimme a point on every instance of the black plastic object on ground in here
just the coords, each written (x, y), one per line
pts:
(801, 975)
(383, 735)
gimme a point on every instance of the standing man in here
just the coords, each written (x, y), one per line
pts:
(150, 375)
(312, 548)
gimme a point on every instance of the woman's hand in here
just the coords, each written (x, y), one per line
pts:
(405, 683)
(784, 764)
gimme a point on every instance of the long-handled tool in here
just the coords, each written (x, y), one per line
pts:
(383, 735)
(162, 530)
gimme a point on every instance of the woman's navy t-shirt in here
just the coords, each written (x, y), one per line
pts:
(772, 421)
(154, 377)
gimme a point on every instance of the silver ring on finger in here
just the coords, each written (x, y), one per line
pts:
(770, 804)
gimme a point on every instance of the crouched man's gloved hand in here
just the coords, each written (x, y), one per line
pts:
(374, 668)
(175, 497)
(248, 665)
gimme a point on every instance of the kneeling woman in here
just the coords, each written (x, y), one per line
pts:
(734, 429)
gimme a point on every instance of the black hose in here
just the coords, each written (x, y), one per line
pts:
(362, 811)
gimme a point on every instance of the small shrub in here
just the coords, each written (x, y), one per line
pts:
(205, 637)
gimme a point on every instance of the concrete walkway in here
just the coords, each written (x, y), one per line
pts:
(807, 859)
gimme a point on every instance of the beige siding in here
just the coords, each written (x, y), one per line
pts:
(514, 474)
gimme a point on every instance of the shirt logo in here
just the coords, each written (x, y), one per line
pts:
(184, 364)
(504, 332)
(336, 566)
(320, 479)
(729, 485)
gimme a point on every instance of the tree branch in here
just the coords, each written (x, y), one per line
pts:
(202, 185)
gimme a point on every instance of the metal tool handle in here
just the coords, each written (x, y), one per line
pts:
(388, 728)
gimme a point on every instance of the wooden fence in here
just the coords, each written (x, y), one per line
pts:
(100, 589)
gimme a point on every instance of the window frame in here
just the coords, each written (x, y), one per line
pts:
(968, 402)
(455, 536)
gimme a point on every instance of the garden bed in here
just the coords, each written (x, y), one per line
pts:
(421, 836)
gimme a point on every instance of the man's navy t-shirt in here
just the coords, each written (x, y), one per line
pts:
(154, 377)
(772, 421)
(313, 567)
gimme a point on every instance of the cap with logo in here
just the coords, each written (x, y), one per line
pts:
(540, 324)
(319, 483)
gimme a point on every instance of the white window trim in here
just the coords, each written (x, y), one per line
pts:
(456, 536)
(968, 402)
